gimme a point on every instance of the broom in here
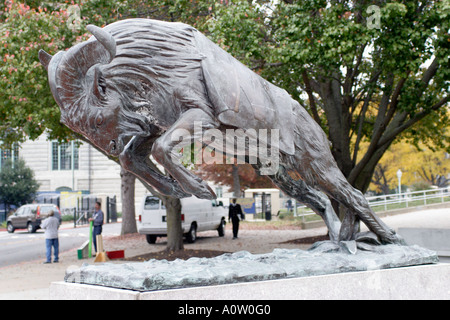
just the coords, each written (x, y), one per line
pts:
(101, 255)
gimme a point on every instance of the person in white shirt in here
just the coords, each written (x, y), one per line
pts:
(51, 226)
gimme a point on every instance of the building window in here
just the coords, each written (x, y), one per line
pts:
(9, 154)
(64, 155)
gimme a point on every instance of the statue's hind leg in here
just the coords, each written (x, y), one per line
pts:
(310, 197)
(330, 180)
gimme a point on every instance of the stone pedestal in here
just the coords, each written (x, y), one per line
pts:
(426, 282)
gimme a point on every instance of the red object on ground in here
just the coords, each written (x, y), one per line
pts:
(119, 254)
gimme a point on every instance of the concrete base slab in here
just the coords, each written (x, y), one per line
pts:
(427, 282)
(73, 291)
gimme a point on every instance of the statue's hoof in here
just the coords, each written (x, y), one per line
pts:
(364, 241)
(348, 247)
(394, 238)
(367, 237)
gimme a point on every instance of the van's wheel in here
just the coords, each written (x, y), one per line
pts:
(151, 239)
(191, 236)
(10, 227)
(221, 228)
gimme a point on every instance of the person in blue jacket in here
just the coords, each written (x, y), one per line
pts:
(97, 218)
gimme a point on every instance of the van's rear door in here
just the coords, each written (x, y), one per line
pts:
(152, 212)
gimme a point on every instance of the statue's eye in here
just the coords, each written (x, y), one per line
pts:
(99, 120)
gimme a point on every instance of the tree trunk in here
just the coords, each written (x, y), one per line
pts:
(338, 123)
(236, 181)
(174, 230)
(128, 208)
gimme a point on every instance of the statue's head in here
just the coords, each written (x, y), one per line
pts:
(89, 103)
(78, 86)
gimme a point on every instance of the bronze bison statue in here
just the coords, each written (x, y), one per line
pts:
(141, 88)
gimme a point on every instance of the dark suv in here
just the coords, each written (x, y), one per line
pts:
(30, 216)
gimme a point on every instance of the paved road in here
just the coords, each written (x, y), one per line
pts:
(22, 246)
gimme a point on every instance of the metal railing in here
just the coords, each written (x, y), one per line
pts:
(409, 199)
(394, 201)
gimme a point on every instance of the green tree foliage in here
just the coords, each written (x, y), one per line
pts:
(17, 183)
(26, 107)
(365, 74)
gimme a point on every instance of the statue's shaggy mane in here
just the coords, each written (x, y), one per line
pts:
(154, 60)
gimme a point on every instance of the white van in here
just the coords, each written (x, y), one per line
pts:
(196, 215)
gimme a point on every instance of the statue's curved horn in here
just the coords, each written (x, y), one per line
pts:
(44, 58)
(73, 67)
(104, 38)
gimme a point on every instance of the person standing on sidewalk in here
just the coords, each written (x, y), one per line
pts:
(235, 214)
(98, 223)
(51, 226)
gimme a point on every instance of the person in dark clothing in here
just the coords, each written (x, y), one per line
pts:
(235, 214)
(98, 222)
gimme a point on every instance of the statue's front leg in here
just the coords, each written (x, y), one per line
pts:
(135, 159)
(166, 150)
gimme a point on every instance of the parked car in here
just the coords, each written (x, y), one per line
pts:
(30, 216)
(196, 215)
